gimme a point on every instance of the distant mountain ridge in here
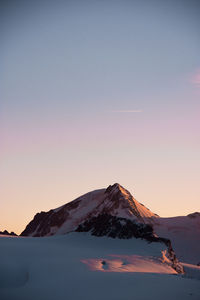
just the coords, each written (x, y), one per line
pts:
(5, 232)
(184, 233)
(114, 200)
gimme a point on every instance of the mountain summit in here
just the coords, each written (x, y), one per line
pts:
(119, 202)
(114, 201)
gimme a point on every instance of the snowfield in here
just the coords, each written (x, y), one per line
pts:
(184, 233)
(80, 266)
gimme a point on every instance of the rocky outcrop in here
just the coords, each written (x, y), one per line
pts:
(194, 215)
(5, 232)
(116, 227)
(43, 222)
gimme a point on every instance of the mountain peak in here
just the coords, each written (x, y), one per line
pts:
(120, 202)
(115, 200)
(116, 187)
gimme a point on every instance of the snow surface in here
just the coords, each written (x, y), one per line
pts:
(192, 271)
(184, 233)
(57, 267)
(129, 263)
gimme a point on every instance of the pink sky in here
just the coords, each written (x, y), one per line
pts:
(98, 94)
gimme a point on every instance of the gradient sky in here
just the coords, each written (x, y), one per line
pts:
(97, 92)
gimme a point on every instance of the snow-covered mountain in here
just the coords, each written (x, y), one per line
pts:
(184, 233)
(115, 213)
(114, 201)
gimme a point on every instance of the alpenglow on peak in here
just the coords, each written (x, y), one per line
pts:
(114, 200)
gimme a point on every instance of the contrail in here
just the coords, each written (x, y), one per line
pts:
(128, 111)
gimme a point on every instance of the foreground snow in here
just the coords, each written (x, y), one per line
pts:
(129, 263)
(79, 266)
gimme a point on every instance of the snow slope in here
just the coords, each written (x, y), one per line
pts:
(184, 233)
(191, 271)
(80, 266)
(115, 201)
(130, 263)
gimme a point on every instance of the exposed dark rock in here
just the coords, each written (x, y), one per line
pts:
(5, 232)
(194, 215)
(43, 222)
(115, 227)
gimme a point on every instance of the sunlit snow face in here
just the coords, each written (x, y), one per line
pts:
(129, 263)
